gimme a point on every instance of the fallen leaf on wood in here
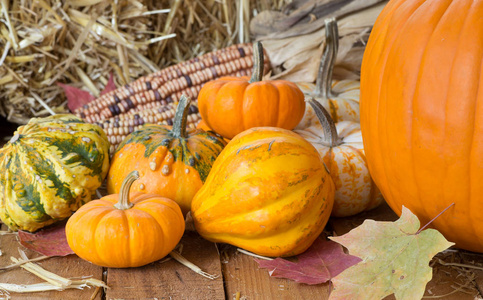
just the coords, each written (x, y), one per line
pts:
(395, 259)
(320, 263)
(50, 241)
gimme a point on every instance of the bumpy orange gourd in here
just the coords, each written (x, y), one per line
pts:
(123, 230)
(268, 192)
(230, 105)
(339, 97)
(172, 161)
(340, 146)
(422, 113)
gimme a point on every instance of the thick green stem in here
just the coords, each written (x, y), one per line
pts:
(258, 59)
(331, 138)
(324, 77)
(181, 118)
(123, 202)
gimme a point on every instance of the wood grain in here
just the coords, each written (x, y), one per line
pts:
(242, 275)
(68, 266)
(170, 279)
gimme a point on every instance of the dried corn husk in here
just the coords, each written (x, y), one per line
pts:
(294, 40)
(80, 42)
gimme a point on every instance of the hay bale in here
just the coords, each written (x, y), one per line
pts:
(43, 42)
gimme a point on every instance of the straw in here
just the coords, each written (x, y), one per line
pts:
(81, 42)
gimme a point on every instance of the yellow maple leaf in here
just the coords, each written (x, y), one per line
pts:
(395, 259)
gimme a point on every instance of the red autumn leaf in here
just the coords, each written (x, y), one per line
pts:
(320, 263)
(50, 241)
(110, 86)
(77, 98)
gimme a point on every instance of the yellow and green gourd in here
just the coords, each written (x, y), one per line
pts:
(49, 168)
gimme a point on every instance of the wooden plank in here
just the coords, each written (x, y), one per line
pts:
(170, 279)
(242, 275)
(69, 266)
(343, 225)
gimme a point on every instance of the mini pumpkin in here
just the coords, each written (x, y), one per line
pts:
(172, 161)
(268, 192)
(125, 230)
(49, 168)
(339, 97)
(230, 105)
(341, 148)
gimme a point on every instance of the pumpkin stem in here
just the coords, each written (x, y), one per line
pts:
(181, 118)
(123, 202)
(323, 86)
(331, 138)
(258, 59)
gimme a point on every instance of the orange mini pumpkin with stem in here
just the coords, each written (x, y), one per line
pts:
(123, 230)
(173, 161)
(230, 105)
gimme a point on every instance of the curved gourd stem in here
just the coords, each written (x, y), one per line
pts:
(181, 118)
(258, 59)
(123, 202)
(331, 138)
(324, 76)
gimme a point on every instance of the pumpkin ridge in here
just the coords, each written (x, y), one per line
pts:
(289, 220)
(132, 216)
(99, 248)
(471, 121)
(122, 220)
(87, 213)
(84, 154)
(29, 202)
(395, 38)
(168, 205)
(265, 164)
(414, 129)
(31, 195)
(46, 171)
(471, 157)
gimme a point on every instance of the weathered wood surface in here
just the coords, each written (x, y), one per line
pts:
(239, 275)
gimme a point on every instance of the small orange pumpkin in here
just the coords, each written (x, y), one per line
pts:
(172, 161)
(230, 105)
(122, 230)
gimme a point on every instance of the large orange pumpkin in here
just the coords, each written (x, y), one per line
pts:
(230, 105)
(422, 112)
